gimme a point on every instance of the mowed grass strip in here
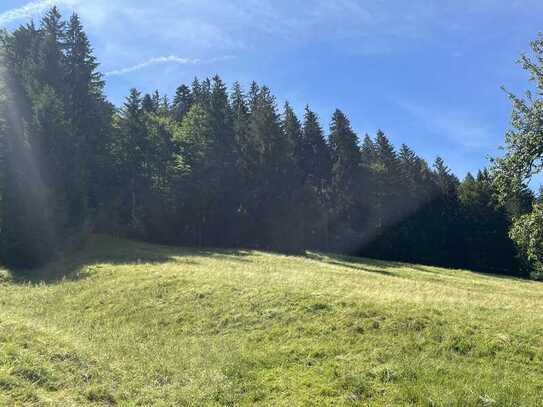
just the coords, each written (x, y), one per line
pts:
(126, 323)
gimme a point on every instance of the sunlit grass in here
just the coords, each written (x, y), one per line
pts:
(133, 324)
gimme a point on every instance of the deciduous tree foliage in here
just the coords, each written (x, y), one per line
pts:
(217, 168)
(523, 160)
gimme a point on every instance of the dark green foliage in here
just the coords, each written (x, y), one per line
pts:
(182, 102)
(219, 169)
(313, 157)
(486, 223)
(56, 119)
(347, 200)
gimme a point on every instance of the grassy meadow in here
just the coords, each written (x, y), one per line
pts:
(131, 324)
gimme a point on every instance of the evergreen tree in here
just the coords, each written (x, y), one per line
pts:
(386, 180)
(240, 122)
(148, 105)
(313, 158)
(90, 118)
(222, 176)
(28, 223)
(312, 152)
(270, 161)
(346, 160)
(368, 151)
(130, 148)
(292, 182)
(51, 52)
(347, 209)
(182, 102)
(194, 138)
(486, 225)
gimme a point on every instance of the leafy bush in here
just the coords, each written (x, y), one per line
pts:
(527, 232)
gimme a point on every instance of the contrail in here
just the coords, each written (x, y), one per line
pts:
(30, 10)
(166, 60)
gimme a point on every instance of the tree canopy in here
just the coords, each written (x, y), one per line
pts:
(229, 168)
(523, 159)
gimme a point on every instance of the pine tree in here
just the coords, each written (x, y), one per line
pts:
(159, 201)
(485, 226)
(386, 179)
(182, 102)
(385, 154)
(345, 155)
(201, 92)
(89, 116)
(313, 159)
(195, 138)
(222, 160)
(52, 47)
(446, 181)
(130, 149)
(148, 105)
(368, 151)
(292, 181)
(29, 225)
(270, 160)
(313, 154)
(346, 187)
(240, 124)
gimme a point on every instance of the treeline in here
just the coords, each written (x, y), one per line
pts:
(218, 167)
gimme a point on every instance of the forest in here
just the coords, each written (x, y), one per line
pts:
(226, 167)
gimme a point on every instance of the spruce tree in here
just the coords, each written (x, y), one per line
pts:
(240, 124)
(368, 151)
(346, 185)
(222, 161)
(314, 161)
(130, 148)
(386, 178)
(195, 138)
(485, 226)
(90, 118)
(292, 183)
(313, 154)
(345, 160)
(182, 102)
(52, 47)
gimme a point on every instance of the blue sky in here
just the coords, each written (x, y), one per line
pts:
(427, 72)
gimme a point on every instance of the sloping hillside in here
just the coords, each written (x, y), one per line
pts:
(133, 324)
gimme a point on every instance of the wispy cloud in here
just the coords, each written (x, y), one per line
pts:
(457, 126)
(28, 10)
(32, 9)
(171, 59)
(219, 24)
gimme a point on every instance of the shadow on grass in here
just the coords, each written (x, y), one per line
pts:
(102, 249)
(438, 270)
(354, 263)
(382, 266)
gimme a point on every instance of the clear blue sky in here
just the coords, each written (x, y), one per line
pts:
(426, 72)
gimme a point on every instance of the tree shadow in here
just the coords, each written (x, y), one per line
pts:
(107, 250)
(353, 263)
(434, 269)
(103, 249)
(381, 266)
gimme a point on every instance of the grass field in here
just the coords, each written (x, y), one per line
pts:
(126, 323)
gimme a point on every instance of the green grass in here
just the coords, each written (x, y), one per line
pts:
(126, 323)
